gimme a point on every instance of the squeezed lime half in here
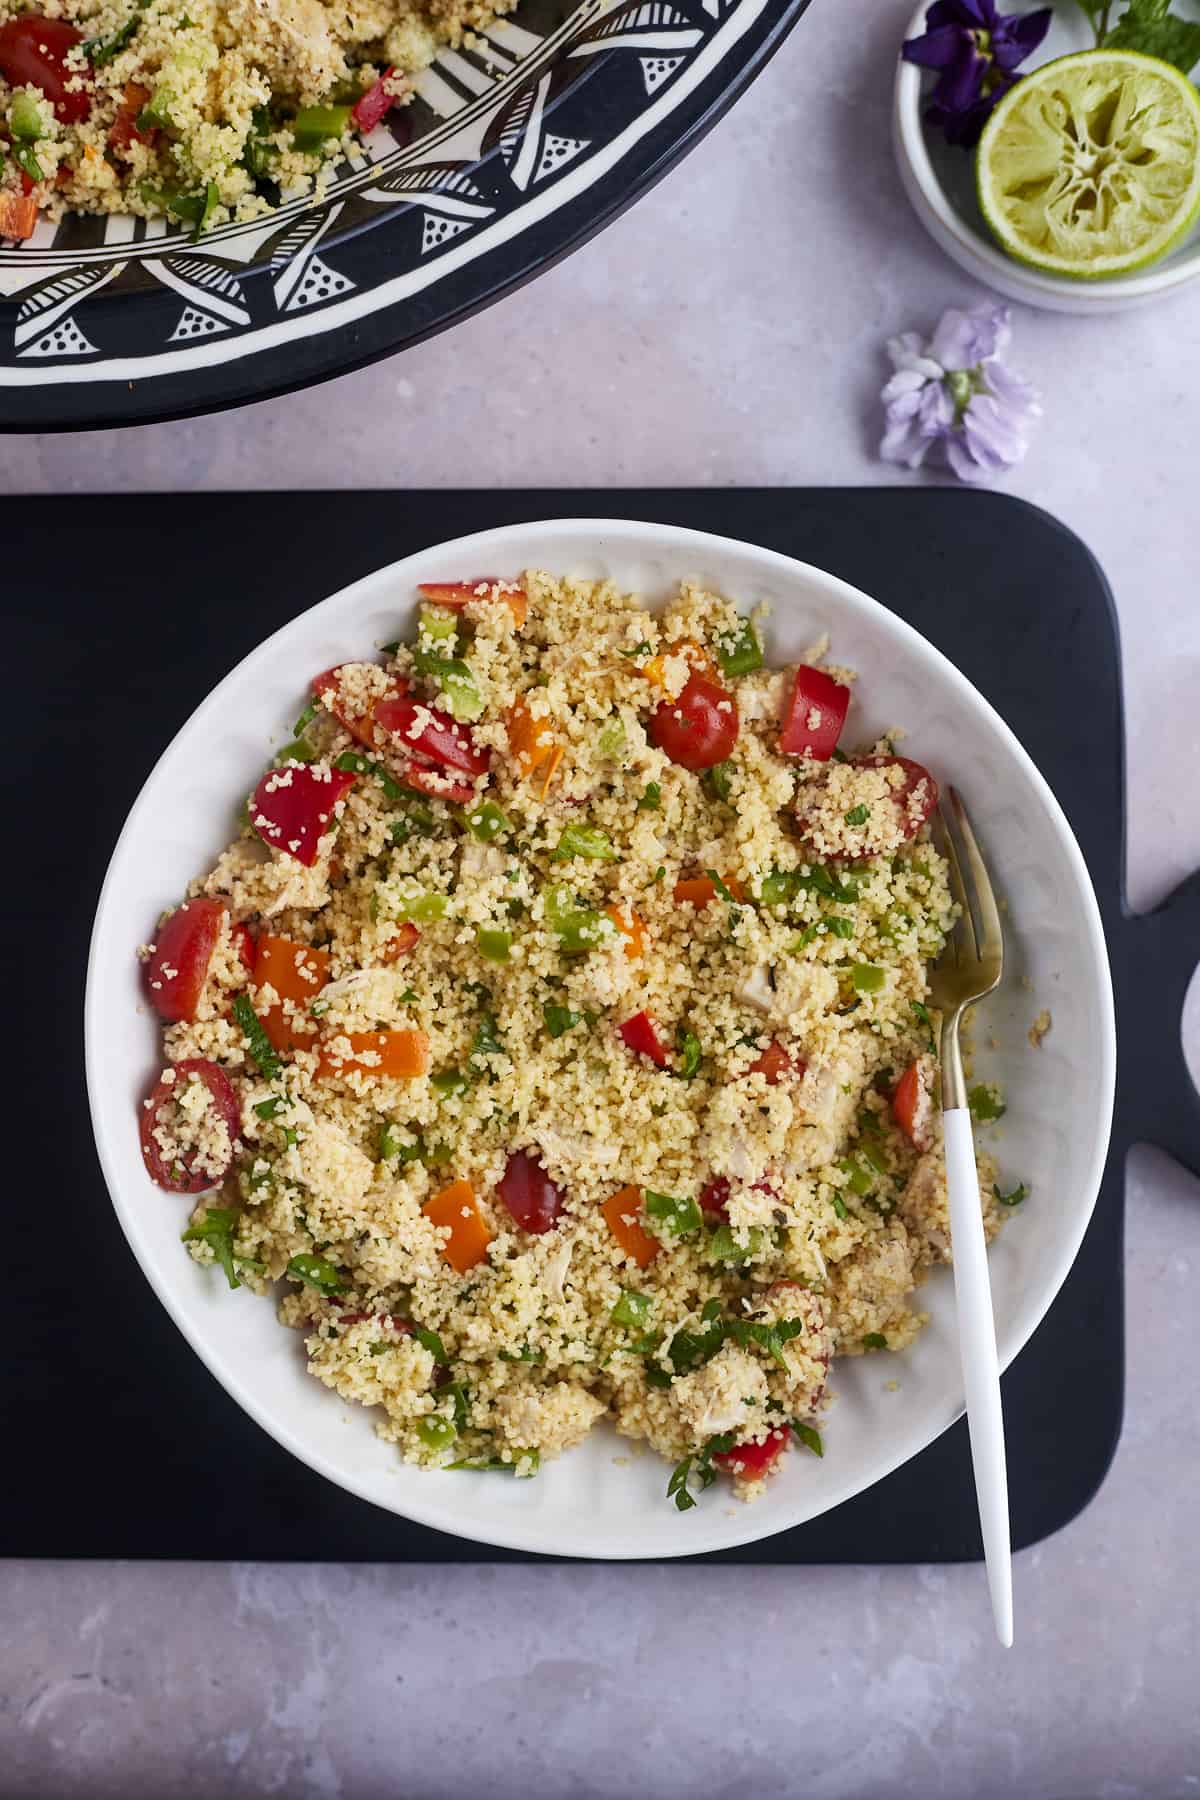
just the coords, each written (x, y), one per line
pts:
(1090, 165)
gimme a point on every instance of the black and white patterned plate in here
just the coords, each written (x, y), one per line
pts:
(512, 154)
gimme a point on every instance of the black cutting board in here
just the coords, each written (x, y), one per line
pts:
(122, 613)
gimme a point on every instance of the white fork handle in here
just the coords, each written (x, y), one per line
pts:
(981, 1371)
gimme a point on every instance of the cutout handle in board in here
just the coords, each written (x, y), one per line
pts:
(1154, 961)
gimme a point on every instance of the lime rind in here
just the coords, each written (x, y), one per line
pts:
(1090, 166)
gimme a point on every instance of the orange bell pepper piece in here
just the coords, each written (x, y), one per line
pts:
(18, 215)
(297, 972)
(620, 1215)
(469, 1236)
(396, 1054)
(530, 740)
(457, 594)
(700, 889)
(556, 756)
(630, 927)
(654, 668)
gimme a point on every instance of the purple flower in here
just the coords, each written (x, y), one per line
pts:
(975, 50)
(954, 396)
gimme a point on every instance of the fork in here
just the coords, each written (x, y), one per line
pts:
(969, 969)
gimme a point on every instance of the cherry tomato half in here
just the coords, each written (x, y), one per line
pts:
(33, 53)
(912, 1105)
(900, 815)
(699, 728)
(174, 976)
(177, 1170)
(529, 1194)
(775, 1063)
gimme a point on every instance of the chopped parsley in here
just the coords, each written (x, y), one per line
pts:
(809, 1436)
(921, 1014)
(858, 815)
(986, 1105)
(1019, 1193)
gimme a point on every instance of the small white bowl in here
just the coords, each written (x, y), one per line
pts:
(939, 180)
(604, 1499)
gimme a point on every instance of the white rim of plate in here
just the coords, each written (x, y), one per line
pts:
(986, 260)
(535, 1537)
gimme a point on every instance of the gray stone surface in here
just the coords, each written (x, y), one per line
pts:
(727, 330)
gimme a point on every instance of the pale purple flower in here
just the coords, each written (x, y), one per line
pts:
(955, 397)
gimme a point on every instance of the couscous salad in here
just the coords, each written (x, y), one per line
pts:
(555, 1031)
(204, 110)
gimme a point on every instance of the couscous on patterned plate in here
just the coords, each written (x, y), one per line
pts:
(549, 1040)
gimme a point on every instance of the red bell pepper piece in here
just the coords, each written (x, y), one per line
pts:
(639, 1034)
(423, 730)
(371, 108)
(291, 807)
(816, 712)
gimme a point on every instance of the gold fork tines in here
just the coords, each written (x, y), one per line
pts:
(973, 961)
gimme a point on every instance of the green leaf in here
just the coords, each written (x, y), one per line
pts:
(839, 927)
(678, 1216)
(1019, 1193)
(305, 720)
(875, 1340)
(719, 781)
(258, 1043)
(429, 1340)
(449, 1081)
(318, 1272)
(351, 762)
(839, 1205)
(985, 1104)
(921, 1014)
(216, 1230)
(559, 1019)
(651, 800)
(486, 1041)
(99, 51)
(809, 1435)
(1150, 26)
(268, 1109)
(858, 815)
(690, 1053)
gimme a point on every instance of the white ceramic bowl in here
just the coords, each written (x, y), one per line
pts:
(1060, 1098)
(940, 182)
